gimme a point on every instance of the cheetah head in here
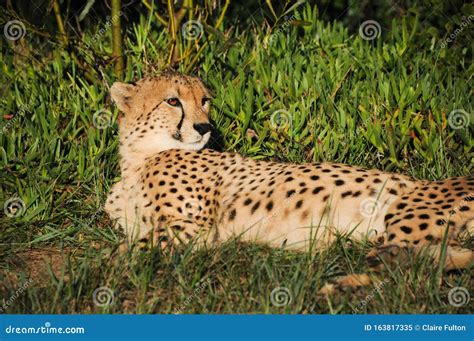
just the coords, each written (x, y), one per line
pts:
(170, 111)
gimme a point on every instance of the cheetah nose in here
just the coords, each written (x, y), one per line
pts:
(202, 128)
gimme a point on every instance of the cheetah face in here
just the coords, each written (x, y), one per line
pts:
(170, 111)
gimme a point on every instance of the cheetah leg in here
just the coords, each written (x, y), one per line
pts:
(392, 254)
(375, 259)
(176, 233)
(346, 283)
(456, 258)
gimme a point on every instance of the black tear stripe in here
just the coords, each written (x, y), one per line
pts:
(180, 124)
(154, 108)
(177, 134)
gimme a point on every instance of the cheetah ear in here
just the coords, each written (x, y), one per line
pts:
(121, 94)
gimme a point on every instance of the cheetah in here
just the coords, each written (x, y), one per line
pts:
(175, 191)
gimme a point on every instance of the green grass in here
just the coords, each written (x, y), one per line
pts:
(381, 103)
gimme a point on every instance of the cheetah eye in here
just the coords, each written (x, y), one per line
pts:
(205, 101)
(174, 102)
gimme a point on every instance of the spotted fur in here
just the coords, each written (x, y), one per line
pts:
(175, 191)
